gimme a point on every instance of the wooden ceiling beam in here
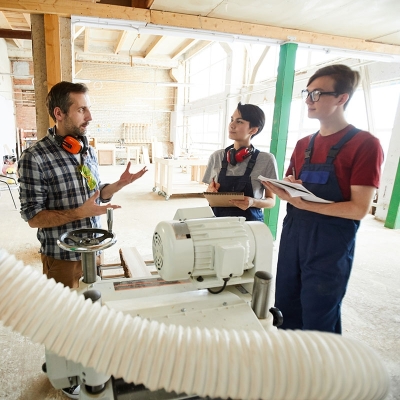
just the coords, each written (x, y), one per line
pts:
(150, 49)
(19, 43)
(84, 8)
(78, 32)
(121, 39)
(280, 35)
(14, 34)
(5, 23)
(199, 46)
(27, 18)
(86, 40)
(183, 48)
(142, 3)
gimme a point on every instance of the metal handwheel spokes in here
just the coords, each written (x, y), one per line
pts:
(87, 240)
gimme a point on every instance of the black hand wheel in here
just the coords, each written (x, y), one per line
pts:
(87, 240)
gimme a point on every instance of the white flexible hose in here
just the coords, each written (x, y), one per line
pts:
(218, 363)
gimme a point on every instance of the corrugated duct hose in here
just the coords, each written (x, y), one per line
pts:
(216, 363)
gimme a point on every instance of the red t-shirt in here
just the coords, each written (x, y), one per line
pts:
(357, 163)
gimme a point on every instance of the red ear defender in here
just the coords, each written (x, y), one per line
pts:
(72, 145)
(237, 156)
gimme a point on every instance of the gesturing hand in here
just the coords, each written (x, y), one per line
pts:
(127, 178)
(91, 209)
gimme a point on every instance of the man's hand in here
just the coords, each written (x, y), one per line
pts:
(91, 209)
(291, 178)
(281, 193)
(52, 218)
(126, 178)
(356, 208)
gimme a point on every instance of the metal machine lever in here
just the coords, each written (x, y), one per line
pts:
(109, 219)
(261, 290)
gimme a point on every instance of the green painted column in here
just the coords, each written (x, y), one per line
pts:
(393, 215)
(280, 123)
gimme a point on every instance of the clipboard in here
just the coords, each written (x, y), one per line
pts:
(221, 199)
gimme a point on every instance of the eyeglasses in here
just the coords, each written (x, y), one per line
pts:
(315, 94)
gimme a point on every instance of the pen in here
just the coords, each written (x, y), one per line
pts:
(293, 173)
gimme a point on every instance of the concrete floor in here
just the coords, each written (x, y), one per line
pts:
(371, 309)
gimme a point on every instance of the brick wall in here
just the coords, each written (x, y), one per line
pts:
(122, 94)
(25, 117)
(119, 95)
(24, 95)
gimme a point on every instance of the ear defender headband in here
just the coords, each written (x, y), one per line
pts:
(71, 144)
(237, 156)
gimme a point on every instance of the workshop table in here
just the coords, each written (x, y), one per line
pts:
(165, 182)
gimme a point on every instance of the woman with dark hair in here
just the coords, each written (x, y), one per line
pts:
(338, 163)
(236, 168)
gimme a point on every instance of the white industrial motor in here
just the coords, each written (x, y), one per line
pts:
(211, 250)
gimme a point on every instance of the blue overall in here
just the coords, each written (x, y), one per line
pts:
(238, 184)
(316, 253)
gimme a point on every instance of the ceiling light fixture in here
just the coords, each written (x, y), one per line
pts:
(105, 23)
(174, 84)
(142, 27)
(359, 54)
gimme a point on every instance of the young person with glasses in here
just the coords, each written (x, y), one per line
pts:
(341, 164)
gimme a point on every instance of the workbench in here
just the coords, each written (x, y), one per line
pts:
(167, 183)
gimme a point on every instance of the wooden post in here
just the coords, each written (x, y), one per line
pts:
(40, 73)
(53, 51)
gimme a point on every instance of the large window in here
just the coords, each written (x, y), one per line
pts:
(206, 110)
(269, 66)
(306, 58)
(203, 134)
(263, 140)
(207, 71)
(385, 100)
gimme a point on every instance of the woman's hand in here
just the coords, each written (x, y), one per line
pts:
(213, 186)
(244, 204)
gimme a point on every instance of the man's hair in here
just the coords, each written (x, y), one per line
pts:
(58, 96)
(253, 114)
(346, 80)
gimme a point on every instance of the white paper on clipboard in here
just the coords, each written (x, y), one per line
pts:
(294, 189)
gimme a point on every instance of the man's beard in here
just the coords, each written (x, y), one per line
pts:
(77, 130)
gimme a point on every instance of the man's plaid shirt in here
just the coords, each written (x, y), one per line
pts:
(49, 180)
